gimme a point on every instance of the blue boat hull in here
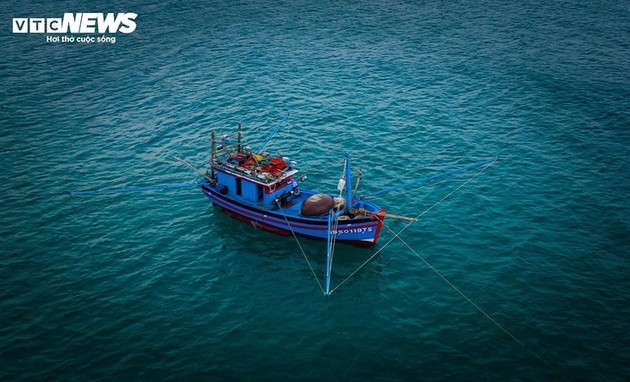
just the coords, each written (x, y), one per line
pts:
(358, 231)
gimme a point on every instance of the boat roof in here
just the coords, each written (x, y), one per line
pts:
(262, 169)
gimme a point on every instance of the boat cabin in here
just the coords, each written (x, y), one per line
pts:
(258, 179)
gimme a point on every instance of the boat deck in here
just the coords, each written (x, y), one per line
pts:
(291, 206)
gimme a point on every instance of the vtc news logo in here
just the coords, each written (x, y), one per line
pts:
(77, 23)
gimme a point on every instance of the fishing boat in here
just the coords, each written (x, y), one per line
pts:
(262, 189)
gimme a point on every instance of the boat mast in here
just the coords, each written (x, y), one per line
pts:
(356, 187)
(329, 252)
(348, 172)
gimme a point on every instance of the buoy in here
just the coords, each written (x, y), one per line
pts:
(341, 185)
(317, 204)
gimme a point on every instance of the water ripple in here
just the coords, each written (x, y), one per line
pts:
(162, 285)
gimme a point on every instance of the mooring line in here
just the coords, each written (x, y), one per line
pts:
(497, 324)
(300, 246)
(484, 168)
(471, 302)
(362, 265)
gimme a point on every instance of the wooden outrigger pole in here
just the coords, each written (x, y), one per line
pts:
(329, 252)
(345, 181)
(348, 176)
(273, 132)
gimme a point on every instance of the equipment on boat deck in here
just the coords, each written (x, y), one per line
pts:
(260, 189)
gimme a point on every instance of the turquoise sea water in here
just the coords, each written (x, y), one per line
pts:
(161, 285)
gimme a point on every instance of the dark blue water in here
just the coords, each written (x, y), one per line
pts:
(162, 286)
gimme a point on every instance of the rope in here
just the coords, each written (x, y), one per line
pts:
(193, 168)
(362, 265)
(333, 243)
(334, 236)
(335, 224)
(471, 302)
(396, 235)
(458, 290)
(300, 246)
